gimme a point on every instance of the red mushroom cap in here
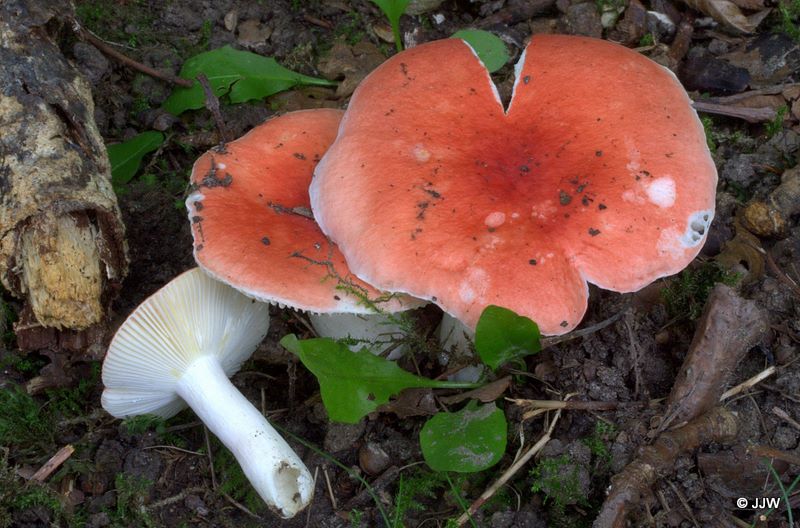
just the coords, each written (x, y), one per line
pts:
(598, 171)
(252, 225)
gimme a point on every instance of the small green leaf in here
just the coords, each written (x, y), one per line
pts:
(394, 9)
(353, 384)
(490, 49)
(466, 441)
(126, 157)
(501, 335)
(240, 75)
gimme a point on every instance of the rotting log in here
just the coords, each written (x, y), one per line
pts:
(62, 245)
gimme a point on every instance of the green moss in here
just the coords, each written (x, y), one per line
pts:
(708, 127)
(557, 478)
(686, 294)
(647, 40)
(598, 443)
(790, 18)
(411, 489)
(70, 402)
(776, 125)
(24, 423)
(131, 494)
(233, 481)
(352, 29)
(17, 495)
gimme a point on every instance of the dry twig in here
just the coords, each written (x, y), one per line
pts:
(90, 37)
(54, 463)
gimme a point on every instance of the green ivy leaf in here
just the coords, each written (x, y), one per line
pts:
(501, 335)
(489, 47)
(470, 440)
(126, 157)
(240, 75)
(354, 384)
(394, 9)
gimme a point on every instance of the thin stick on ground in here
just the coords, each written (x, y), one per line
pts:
(212, 104)
(175, 498)
(54, 463)
(748, 384)
(330, 488)
(510, 472)
(583, 332)
(542, 406)
(210, 459)
(88, 36)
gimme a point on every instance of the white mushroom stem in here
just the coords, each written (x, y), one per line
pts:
(455, 335)
(377, 331)
(273, 468)
(456, 340)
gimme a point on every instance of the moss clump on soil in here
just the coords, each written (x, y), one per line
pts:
(558, 478)
(686, 294)
(24, 423)
(17, 496)
(599, 444)
(131, 494)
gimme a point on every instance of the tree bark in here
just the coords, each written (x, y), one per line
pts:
(62, 245)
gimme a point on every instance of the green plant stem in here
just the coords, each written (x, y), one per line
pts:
(460, 501)
(397, 40)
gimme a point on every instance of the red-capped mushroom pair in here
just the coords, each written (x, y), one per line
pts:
(598, 171)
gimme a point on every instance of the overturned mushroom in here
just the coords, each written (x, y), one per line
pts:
(178, 348)
(598, 172)
(253, 228)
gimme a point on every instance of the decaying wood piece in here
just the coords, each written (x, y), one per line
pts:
(658, 460)
(729, 327)
(62, 242)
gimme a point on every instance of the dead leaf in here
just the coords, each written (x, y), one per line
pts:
(750, 5)
(488, 393)
(728, 14)
(412, 402)
(743, 255)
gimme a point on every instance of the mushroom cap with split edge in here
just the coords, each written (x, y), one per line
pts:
(252, 224)
(597, 172)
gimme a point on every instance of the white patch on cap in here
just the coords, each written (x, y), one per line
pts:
(515, 215)
(544, 210)
(674, 243)
(632, 197)
(421, 154)
(495, 219)
(634, 166)
(221, 166)
(661, 192)
(474, 286)
(697, 229)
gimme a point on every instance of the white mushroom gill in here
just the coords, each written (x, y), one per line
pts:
(179, 347)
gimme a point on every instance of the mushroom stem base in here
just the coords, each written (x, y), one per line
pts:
(273, 468)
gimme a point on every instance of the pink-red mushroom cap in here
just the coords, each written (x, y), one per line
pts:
(252, 223)
(597, 172)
